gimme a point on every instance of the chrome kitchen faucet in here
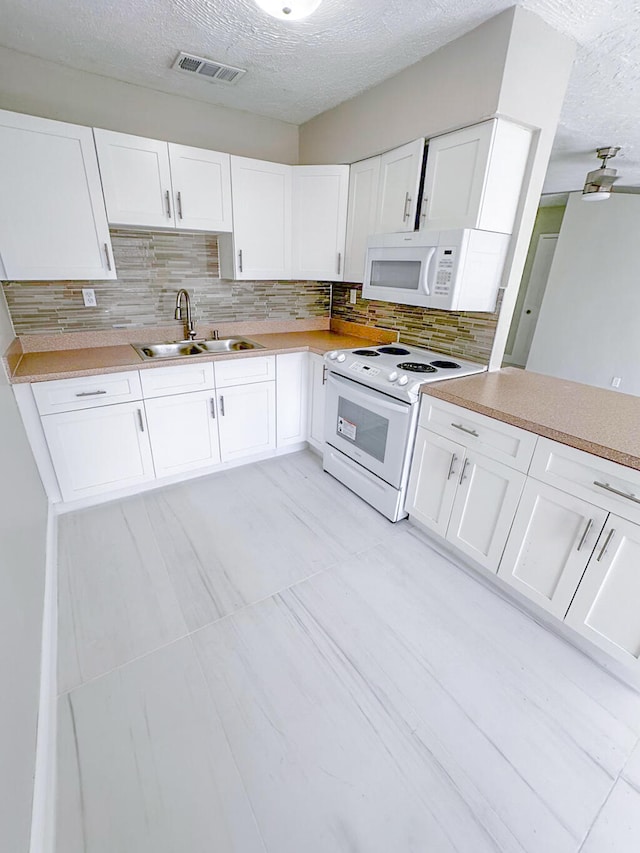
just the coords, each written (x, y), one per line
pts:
(190, 328)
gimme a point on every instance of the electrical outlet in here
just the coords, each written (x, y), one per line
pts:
(615, 382)
(353, 295)
(89, 297)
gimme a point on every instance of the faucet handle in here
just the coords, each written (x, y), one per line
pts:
(214, 334)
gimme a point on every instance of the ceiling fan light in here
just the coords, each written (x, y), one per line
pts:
(289, 10)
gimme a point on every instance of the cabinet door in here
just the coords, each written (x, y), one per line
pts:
(183, 431)
(364, 178)
(398, 189)
(261, 219)
(136, 179)
(291, 398)
(52, 218)
(201, 188)
(317, 393)
(606, 607)
(483, 509)
(247, 420)
(319, 221)
(99, 450)
(549, 546)
(435, 468)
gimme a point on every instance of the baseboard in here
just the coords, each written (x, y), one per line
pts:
(43, 810)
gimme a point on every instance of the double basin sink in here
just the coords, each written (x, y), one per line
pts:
(184, 349)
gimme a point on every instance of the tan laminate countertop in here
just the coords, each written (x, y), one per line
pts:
(605, 423)
(67, 363)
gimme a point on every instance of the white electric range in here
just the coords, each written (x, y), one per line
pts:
(371, 416)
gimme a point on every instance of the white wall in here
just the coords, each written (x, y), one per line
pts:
(589, 324)
(23, 518)
(42, 88)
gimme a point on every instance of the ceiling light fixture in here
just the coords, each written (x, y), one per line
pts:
(289, 10)
(599, 182)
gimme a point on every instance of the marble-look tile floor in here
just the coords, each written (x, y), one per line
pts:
(258, 661)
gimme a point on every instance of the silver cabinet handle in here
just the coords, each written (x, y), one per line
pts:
(464, 471)
(140, 420)
(213, 408)
(407, 202)
(423, 210)
(585, 534)
(451, 464)
(339, 262)
(180, 205)
(106, 251)
(221, 405)
(89, 393)
(168, 198)
(606, 545)
(609, 488)
(324, 374)
(239, 260)
(467, 430)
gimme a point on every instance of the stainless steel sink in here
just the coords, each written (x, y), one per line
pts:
(184, 349)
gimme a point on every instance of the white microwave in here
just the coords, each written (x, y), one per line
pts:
(451, 270)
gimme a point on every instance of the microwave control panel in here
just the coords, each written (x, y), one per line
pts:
(445, 268)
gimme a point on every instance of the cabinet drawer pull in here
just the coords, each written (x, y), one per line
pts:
(324, 374)
(407, 202)
(213, 408)
(168, 198)
(106, 251)
(89, 393)
(140, 420)
(180, 205)
(467, 430)
(606, 545)
(451, 464)
(221, 405)
(239, 260)
(464, 471)
(609, 488)
(339, 262)
(585, 534)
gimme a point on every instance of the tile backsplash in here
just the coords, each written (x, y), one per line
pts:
(152, 266)
(466, 334)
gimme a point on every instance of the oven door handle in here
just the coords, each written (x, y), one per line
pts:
(376, 399)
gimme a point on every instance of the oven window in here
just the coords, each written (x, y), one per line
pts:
(403, 275)
(364, 429)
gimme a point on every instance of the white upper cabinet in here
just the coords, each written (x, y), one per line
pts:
(398, 188)
(201, 188)
(261, 246)
(362, 213)
(136, 179)
(154, 184)
(319, 221)
(52, 217)
(474, 177)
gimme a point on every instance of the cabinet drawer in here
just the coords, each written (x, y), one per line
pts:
(163, 381)
(242, 371)
(504, 443)
(85, 392)
(589, 477)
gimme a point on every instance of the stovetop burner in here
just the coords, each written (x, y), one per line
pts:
(416, 367)
(394, 351)
(445, 364)
(369, 353)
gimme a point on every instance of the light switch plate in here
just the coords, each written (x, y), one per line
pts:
(89, 297)
(353, 295)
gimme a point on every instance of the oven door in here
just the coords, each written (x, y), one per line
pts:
(369, 427)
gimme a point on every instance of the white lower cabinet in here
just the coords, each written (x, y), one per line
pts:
(183, 431)
(552, 538)
(485, 504)
(99, 450)
(246, 420)
(291, 398)
(317, 393)
(434, 479)
(606, 607)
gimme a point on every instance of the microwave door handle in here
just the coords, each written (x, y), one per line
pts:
(427, 278)
(374, 398)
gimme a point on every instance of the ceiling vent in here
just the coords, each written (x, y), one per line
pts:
(216, 72)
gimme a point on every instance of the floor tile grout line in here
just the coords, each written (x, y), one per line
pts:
(597, 815)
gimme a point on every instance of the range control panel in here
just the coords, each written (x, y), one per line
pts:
(361, 367)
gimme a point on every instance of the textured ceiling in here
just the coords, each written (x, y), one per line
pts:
(299, 70)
